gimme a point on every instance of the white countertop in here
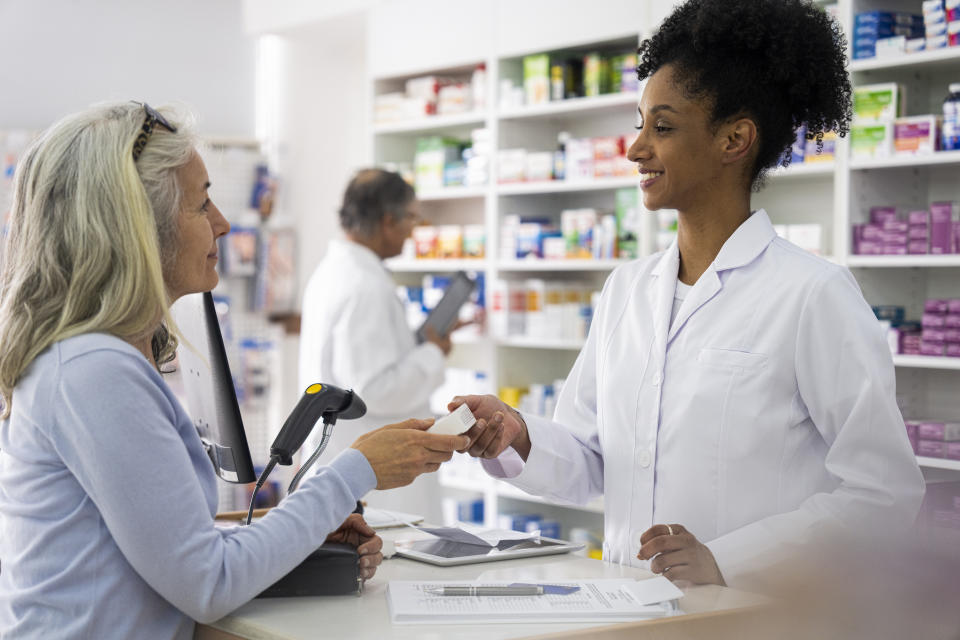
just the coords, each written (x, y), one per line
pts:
(367, 617)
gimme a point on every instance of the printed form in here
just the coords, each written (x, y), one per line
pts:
(601, 600)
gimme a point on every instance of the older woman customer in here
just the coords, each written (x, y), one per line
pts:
(107, 497)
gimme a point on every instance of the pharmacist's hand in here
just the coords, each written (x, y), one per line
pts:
(357, 533)
(498, 427)
(678, 555)
(400, 452)
(443, 342)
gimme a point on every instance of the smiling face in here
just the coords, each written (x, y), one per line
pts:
(678, 152)
(199, 224)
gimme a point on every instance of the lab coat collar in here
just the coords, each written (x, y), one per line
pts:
(747, 242)
(356, 253)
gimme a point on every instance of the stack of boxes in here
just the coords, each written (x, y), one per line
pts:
(539, 309)
(875, 109)
(806, 151)
(937, 334)
(552, 77)
(941, 19)
(884, 33)
(581, 159)
(940, 328)
(934, 439)
(924, 231)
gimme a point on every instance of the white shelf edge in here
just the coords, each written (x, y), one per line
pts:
(587, 264)
(429, 123)
(926, 362)
(562, 186)
(509, 491)
(570, 105)
(537, 343)
(938, 463)
(906, 60)
(803, 169)
(425, 266)
(946, 260)
(925, 160)
(453, 193)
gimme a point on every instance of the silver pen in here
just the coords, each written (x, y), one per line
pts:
(529, 590)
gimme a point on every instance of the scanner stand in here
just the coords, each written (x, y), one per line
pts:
(331, 570)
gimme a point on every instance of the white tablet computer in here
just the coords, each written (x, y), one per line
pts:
(447, 553)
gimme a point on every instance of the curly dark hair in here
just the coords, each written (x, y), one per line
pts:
(781, 63)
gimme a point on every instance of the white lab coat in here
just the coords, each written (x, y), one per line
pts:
(354, 335)
(765, 409)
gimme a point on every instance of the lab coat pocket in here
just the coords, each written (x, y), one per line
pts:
(730, 359)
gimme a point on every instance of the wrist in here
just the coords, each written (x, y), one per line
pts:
(521, 443)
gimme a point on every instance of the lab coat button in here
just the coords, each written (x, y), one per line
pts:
(657, 378)
(645, 459)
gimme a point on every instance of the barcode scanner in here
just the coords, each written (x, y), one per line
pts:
(319, 401)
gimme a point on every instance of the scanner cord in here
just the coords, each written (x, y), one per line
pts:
(327, 430)
(263, 478)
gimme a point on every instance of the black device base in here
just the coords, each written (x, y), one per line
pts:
(331, 570)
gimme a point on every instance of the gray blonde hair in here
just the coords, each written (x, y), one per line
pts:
(92, 235)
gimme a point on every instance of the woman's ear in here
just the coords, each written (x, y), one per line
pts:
(738, 139)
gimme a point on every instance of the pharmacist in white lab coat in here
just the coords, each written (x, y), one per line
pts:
(354, 332)
(735, 394)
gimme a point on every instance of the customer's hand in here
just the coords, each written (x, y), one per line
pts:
(498, 427)
(400, 452)
(357, 533)
(678, 555)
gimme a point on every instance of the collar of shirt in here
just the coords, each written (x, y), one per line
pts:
(741, 248)
(358, 254)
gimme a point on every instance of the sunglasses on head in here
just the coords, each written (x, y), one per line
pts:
(152, 119)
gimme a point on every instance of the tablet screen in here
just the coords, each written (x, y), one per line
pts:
(453, 549)
(444, 315)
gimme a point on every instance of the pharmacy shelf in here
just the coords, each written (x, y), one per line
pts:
(401, 265)
(951, 260)
(938, 463)
(522, 342)
(906, 161)
(562, 186)
(570, 265)
(948, 57)
(804, 169)
(506, 490)
(926, 362)
(431, 123)
(452, 193)
(608, 102)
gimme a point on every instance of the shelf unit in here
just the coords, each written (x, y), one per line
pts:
(507, 360)
(925, 385)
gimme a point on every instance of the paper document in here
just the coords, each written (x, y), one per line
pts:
(600, 600)
(500, 538)
(384, 519)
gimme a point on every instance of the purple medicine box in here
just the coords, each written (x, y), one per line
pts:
(939, 431)
(918, 232)
(911, 426)
(932, 319)
(918, 247)
(919, 217)
(879, 215)
(931, 448)
(936, 305)
(952, 321)
(941, 227)
(953, 306)
(932, 348)
(951, 336)
(934, 335)
(952, 451)
(953, 350)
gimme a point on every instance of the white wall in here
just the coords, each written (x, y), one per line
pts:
(323, 128)
(60, 56)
